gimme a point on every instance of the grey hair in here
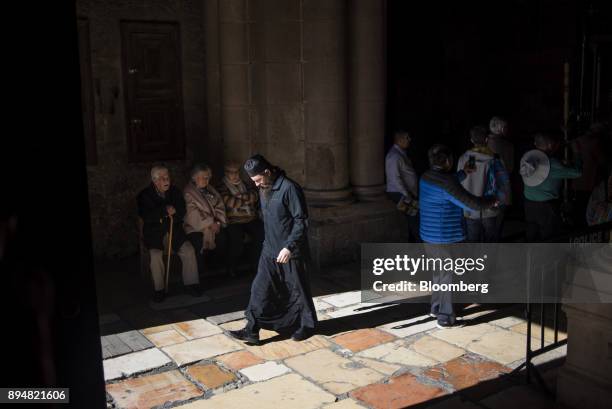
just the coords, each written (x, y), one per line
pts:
(155, 171)
(497, 124)
(199, 167)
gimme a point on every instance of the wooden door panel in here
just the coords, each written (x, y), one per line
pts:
(154, 95)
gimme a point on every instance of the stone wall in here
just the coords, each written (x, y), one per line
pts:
(295, 80)
(113, 182)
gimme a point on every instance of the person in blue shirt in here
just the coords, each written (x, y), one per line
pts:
(442, 202)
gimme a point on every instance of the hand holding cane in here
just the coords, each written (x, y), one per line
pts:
(169, 253)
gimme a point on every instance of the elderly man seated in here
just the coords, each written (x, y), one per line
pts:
(158, 205)
(241, 204)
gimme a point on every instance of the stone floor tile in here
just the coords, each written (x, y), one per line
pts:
(112, 346)
(343, 299)
(152, 390)
(197, 329)
(524, 397)
(135, 340)
(405, 328)
(344, 404)
(322, 316)
(549, 333)
(165, 338)
(287, 348)
(362, 339)
(555, 354)
(227, 317)
(321, 305)
(502, 346)
(382, 367)
(333, 372)
(465, 372)
(135, 362)
(203, 348)
(239, 324)
(240, 359)
(396, 354)
(210, 375)
(356, 309)
(464, 336)
(470, 315)
(361, 308)
(159, 328)
(400, 392)
(436, 349)
(507, 322)
(287, 391)
(265, 371)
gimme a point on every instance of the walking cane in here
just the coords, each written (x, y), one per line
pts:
(169, 254)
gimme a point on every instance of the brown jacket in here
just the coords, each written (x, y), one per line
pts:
(203, 212)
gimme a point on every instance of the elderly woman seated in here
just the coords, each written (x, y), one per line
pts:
(205, 215)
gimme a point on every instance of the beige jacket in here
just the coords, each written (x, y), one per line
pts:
(203, 212)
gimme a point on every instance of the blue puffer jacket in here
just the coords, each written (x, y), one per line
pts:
(442, 201)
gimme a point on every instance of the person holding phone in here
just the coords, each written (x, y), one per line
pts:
(488, 178)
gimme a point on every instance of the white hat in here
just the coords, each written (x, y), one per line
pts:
(535, 167)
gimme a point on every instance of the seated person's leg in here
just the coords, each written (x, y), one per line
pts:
(157, 268)
(196, 239)
(190, 270)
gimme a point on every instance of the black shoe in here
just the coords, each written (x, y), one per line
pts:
(194, 290)
(159, 296)
(448, 325)
(243, 335)
(301, 334)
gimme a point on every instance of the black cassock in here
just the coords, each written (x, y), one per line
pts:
(280, 293)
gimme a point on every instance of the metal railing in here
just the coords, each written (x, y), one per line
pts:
(593, 234)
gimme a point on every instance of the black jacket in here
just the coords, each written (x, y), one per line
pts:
(152, 210)
(285, 217)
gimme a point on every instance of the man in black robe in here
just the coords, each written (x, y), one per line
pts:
(280, 293)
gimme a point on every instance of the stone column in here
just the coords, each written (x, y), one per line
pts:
(234, 78)
(585, 381)
(367, 64)
(325, 103)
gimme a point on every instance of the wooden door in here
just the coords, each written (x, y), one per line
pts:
(153, 91)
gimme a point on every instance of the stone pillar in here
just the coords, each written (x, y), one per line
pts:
(277, 87)
(234, 58)
(213, 138)
(367, 65)
(325, 103)
(585, 381)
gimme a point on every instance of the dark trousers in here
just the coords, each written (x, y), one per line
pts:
(413, 221)
(543, 220)
(441, 301)
(486, 230)
(196, 239)
(280, 297)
